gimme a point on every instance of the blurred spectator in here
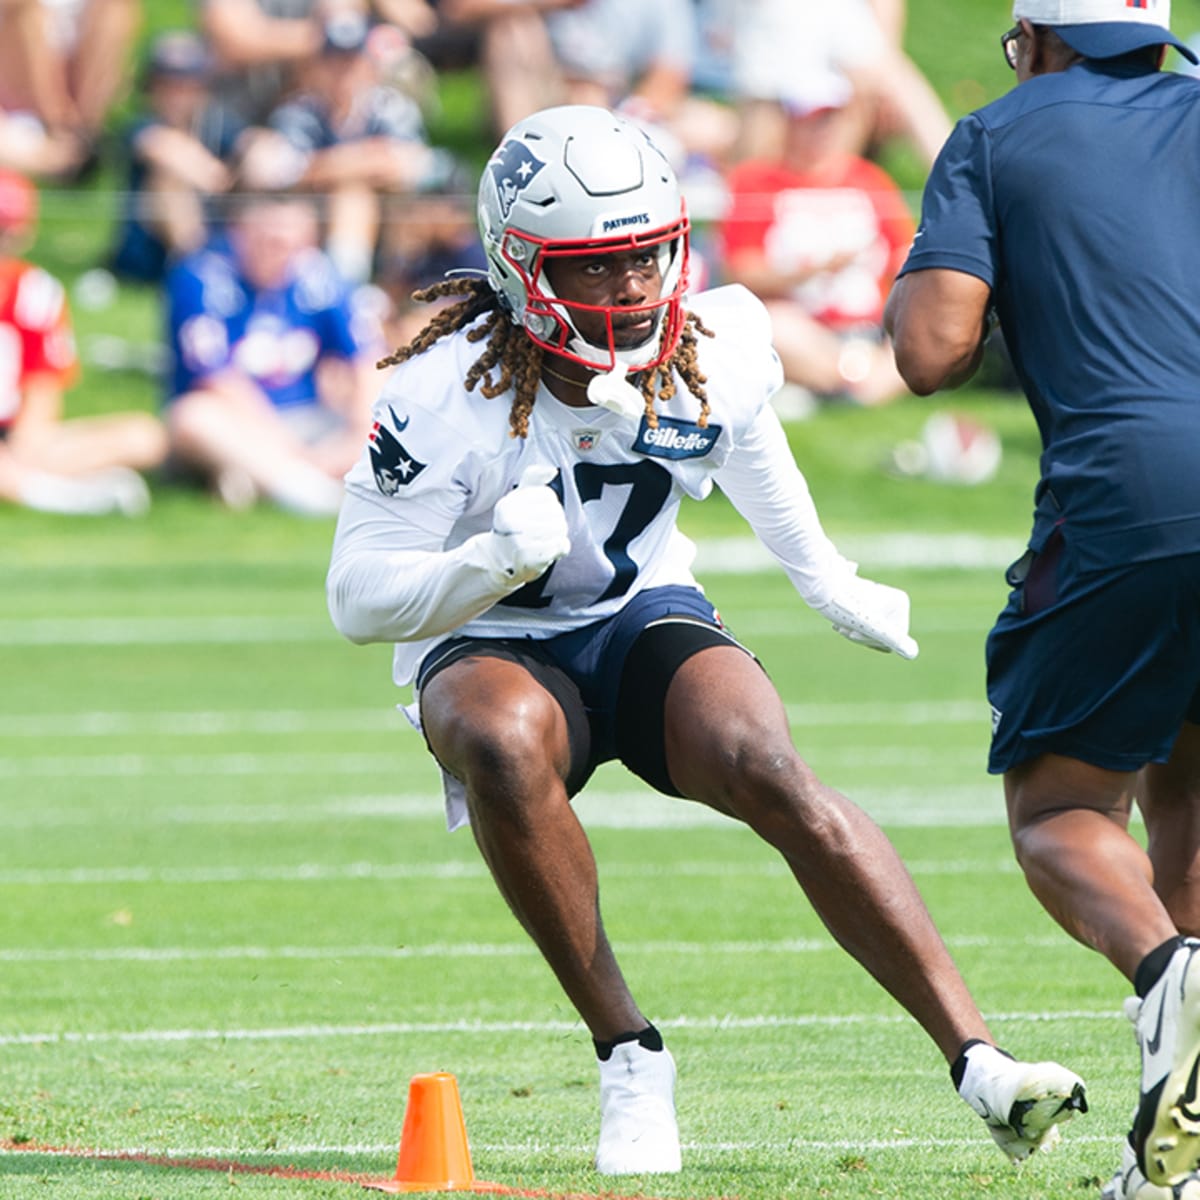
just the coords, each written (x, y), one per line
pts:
(351, 139)
(83, 465)
(63, 64)
(179, 149)
(818, 233)
(434, 236)
(626, 54)
(641, 59)
(257, 44)
(261, 46)
(274, 373)
(778, 41)
(892, 16)
(508, 41)
(417, 18)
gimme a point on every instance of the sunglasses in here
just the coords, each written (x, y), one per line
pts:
(1008, 43)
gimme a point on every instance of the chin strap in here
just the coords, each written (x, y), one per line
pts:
(614, 393)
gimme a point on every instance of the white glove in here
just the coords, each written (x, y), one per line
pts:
(529, 530)
(871, 614)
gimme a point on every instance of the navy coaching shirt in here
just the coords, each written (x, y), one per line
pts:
(1076, 197)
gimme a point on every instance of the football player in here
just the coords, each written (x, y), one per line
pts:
(511, 527)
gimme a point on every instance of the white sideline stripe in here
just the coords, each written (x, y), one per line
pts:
(490, 1028)
(172, 954)
(342, 872)
(221, 723)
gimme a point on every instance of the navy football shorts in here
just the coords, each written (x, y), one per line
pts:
(1103, 667)
(610, 678)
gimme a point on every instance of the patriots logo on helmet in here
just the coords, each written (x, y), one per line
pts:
(513, 168)
(394, 467)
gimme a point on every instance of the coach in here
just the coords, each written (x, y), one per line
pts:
(1069, 210)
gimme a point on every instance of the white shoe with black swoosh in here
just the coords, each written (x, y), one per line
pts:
(1021, 1103)
(1166, 1126)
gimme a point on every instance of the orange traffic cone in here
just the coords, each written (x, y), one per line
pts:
(434, 1156)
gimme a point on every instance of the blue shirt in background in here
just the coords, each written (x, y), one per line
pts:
(217, 320)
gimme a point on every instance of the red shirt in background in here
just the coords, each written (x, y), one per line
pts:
(35, 333)
(851, 226)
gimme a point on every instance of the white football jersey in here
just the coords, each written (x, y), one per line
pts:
(440, 457)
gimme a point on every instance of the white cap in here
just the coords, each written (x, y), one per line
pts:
(811, 92)
(1105, 28)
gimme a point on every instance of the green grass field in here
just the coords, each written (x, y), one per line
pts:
(232, 927)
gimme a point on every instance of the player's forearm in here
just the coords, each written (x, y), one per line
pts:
(377, 595)
(768, 489)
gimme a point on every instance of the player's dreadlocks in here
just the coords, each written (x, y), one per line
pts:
(518, 359)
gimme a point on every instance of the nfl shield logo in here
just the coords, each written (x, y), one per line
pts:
(586, 439)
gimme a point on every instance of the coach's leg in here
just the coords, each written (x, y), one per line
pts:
(491, 725)
(728, 745)
(1069, 828)
(1169, 796)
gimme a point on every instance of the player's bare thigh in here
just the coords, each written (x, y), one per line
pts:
(726, 733)
(1053, 783)
(489, 722)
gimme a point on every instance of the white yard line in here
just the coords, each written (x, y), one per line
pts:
(59, 632)
(338, 764)
(320, 873)
(540, 1028)
(746, 555)
(288, 721)
(450, 950)
(152, 631)
(962, 806)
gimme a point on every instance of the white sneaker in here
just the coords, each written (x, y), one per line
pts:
(638, 1133)
(1130, 1184)
(1021, 1103)
(1167, 1124)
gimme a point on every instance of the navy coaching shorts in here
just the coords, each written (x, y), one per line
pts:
(610, 678)
(1103, 667)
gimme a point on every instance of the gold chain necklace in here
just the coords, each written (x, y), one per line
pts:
(563, 378)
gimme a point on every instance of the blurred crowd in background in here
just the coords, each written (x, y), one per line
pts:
(280, 191)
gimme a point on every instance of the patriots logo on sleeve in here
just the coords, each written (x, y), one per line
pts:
(513, 169)
(394, 467)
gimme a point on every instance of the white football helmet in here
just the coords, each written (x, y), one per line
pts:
(575, 180)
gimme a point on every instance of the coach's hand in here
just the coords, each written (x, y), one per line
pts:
(529, 530)
(871, 614)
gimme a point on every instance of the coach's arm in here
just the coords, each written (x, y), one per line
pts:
(938, 322)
